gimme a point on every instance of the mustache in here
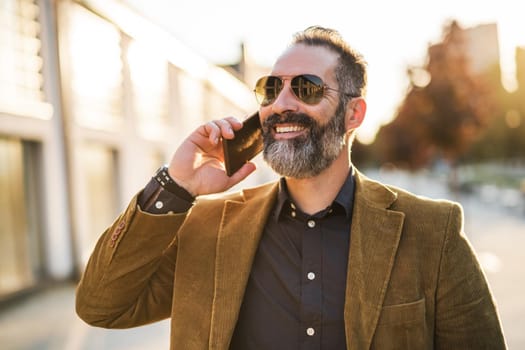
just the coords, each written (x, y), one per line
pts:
(293, 118)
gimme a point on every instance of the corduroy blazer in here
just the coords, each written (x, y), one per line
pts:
(413, 280)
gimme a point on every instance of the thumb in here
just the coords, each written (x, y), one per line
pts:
(242, 173)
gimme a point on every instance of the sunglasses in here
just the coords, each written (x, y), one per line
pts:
(308, 88)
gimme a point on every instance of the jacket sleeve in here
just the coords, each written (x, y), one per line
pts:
(128, 280)
(466, 315)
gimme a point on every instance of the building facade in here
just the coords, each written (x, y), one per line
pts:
(93, 98)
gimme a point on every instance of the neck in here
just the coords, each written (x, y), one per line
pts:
(314, 194)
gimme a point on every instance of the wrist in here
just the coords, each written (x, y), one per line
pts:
(185, 185)
(163, 177)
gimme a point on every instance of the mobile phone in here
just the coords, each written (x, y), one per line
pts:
(246, 144)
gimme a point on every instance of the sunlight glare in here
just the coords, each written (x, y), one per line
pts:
(511, 35)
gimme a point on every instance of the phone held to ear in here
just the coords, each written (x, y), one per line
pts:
(247, 143)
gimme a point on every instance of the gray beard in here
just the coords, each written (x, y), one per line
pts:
(308, 155)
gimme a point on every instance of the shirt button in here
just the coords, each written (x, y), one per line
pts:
(293, 214)
(310, 331)
(311, 223)
(311, 276)
(159, 204)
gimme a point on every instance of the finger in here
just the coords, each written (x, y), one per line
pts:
(235, 123)
(212, 132)
(242, 173)
(216, 129)
(226, 127)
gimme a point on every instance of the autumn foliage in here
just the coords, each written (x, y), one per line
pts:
(446, 109)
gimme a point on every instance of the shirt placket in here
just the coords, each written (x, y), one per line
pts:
(311, 287)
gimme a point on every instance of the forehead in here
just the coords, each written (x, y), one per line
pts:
(305, 59)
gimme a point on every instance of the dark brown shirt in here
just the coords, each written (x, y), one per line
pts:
(295, 294)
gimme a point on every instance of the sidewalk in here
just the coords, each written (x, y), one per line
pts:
(47, 321)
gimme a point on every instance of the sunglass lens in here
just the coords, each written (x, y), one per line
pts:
(308, 88)
(267, 89)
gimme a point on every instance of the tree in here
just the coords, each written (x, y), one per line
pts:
(442, 115)
(504, 137)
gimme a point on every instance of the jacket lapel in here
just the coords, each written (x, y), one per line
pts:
(240, 230)
(374, 239)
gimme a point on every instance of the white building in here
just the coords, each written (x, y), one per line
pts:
(482, 47)
(93, 98)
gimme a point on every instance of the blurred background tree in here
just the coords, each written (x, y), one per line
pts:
(451, 113)
(504, 136)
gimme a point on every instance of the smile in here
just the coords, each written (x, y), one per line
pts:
(288, 129)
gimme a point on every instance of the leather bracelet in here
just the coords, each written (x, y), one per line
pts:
(166, 182)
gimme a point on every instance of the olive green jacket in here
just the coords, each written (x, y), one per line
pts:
(413, 280)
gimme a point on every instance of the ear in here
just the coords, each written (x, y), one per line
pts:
(355, 113)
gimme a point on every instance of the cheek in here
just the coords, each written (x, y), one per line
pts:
(323, 116)
(264, 113)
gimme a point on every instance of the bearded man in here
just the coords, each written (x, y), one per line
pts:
(324, 258)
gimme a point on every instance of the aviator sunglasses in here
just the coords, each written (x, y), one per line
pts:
(308, 88)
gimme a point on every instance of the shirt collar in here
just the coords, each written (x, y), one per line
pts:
(345, 197)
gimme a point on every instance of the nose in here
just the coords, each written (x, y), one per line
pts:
(285, 101)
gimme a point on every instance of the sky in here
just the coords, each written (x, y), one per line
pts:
(391, 35)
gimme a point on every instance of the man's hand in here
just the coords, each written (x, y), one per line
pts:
(198, 164)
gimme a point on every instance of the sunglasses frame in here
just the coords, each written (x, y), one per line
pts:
(316, 96)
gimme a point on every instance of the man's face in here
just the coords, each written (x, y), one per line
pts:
(302, 140)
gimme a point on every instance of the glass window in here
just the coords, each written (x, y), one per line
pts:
(20, 69)
(93, 76)
(149, 81)
(99, 168)
(19, 217)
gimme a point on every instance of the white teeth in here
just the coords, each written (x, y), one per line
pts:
(283, 129)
